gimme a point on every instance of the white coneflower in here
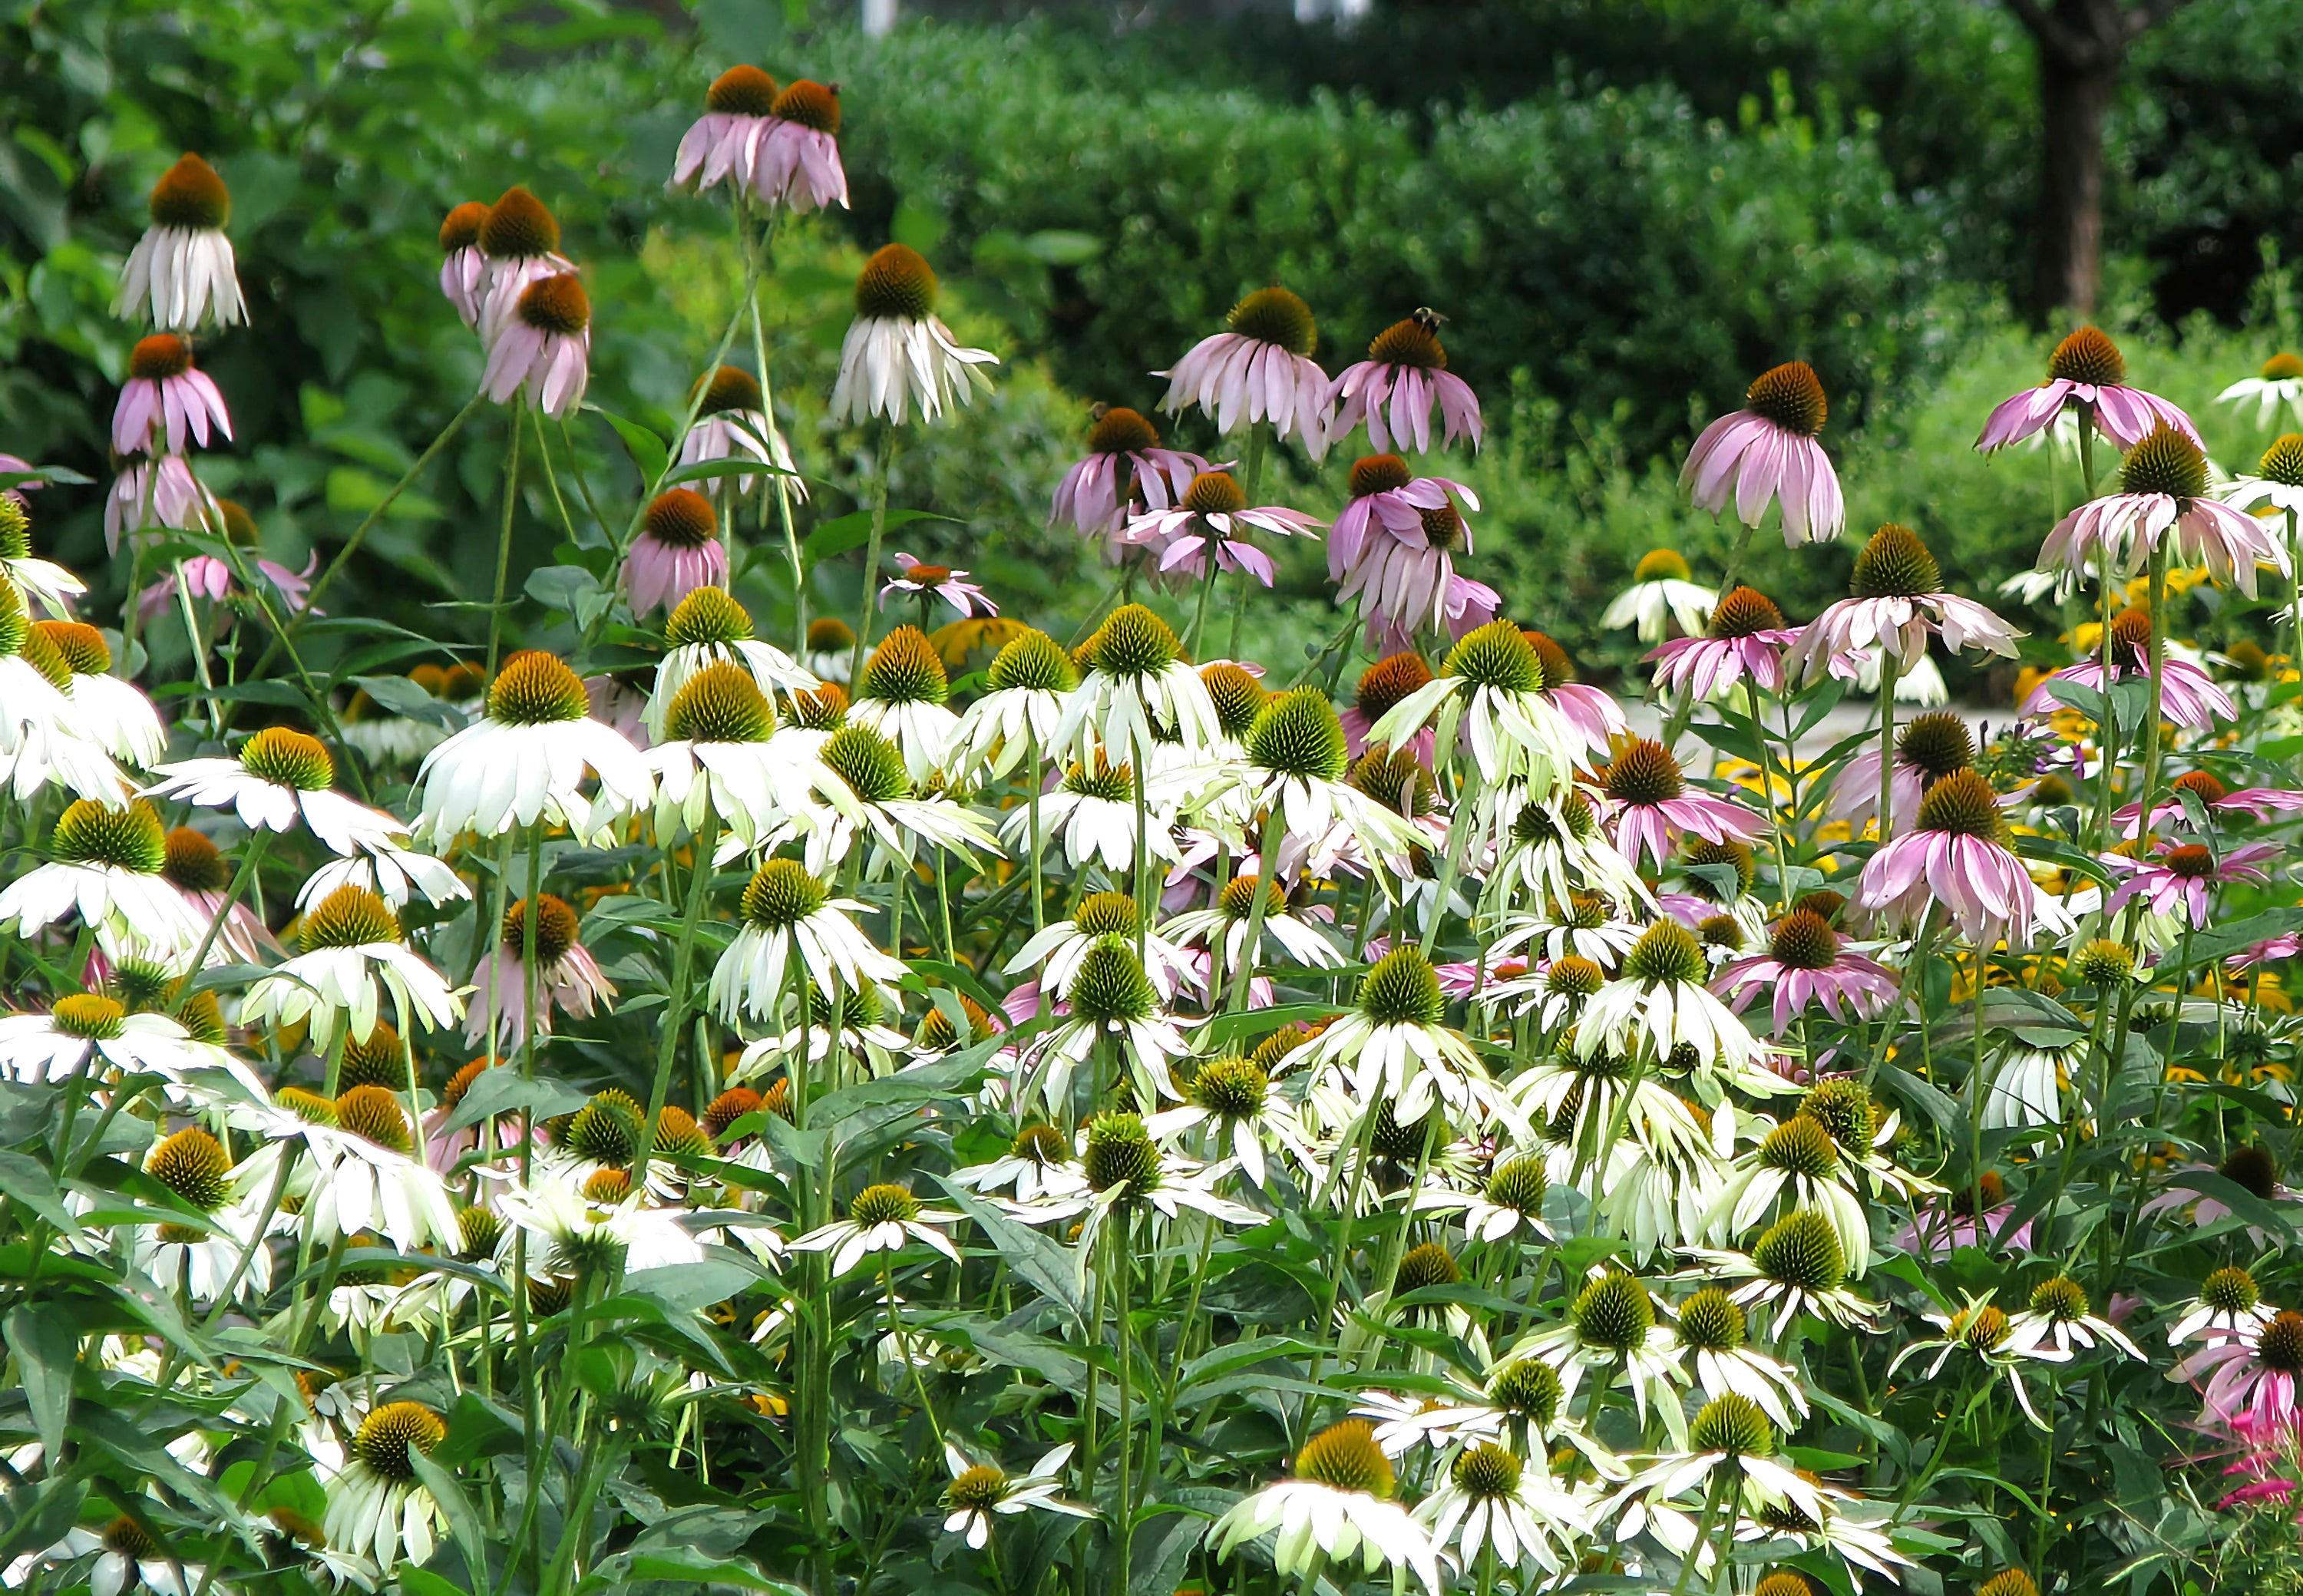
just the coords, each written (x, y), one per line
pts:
(880, 1218)
(1065, 943)
(1091, 813)
(1663, 594)
(353, 1168)
(1982, 1330)
(1610, 1332)
(902, 696)
(1490, 692)
(1111, 997)
(127, 1560)
(1259, 368)
(34, 580)
(181, 270)
(112, 713)
(352, 955)
(280, 776)
(201, 1259)
(545, 343)
(980, 1490)
(43, 728)
(721, 753)
(1024, 705)
(866, 796)
(708, 628)
(790, 919)
(1137, 686)
(1338, 1506)
(1222, 926)
(86, 1028)
(1038, 1164)
(1711, 1325)
(108, 865)
(395, 875)
(1494, 1503)
(1230, 1096)
(1796, 1164)
(732, 423)
(899, 356)
(377, 1507)
(526, 760)
(1393, 1048)
(2278, 382)
(568, 978)
(1660, 1001)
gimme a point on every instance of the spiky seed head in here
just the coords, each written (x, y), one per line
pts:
(1574, 975)
(1109, 986)
(2281, 1347)
(906, 668)
(2164, 461)
(1298, 734)
(1496, 655)
(823, 709)
(158, 357)
(937, 1034)
(1042, 1143)
(1896, 564)
(896, 284)
(479, 1232)
(548, 1296)
(351, 917)
(1486, 1473)
(1112, 783)
(680, 517)
(1614, 1313)
(978, 1490)
(1412, 341)
(1230, 1088)
(2231, 1289)
(1106, 915)
(828, 635)
(191, 195)
(1643, 772)
(1120, 1152)
(1033, 661)
(678, 1135)
(606, 1130)
(203, 1018)
(1802, 1251)
(2089, 356)
(142, 984)
(777, 1100)
(2061, 1299)
(1668, 951)
(556, 305)
(2104, 962)
(1275, 316)
(1744, 612)
(194, 1165)
(379, 1060)
(460, 1083)
(782, 893)
(707, 616)
(1843, 1108)
(813, 106)
(720, 703)
(394, 1432)
(1803, 940)
(374, 1113)
(1402, 989)
(1587, 911)
(1731, 1423)
(607, 1186)
(519, 227)
(1430, 1265)
(2283, 463)
(1387, 682)
(40, 651)
(89, 1016)
(2201, 785)
(741, 92)
(1790, 395)
(1398, 1143)
(1395, 779)
(1346, 1458)
(2013, 1582)
(15, 533)
(886, 1204)
(1783, 1582)
(1237, 696)
(286, 757)
(1711, 1320)
(1273, 1052)
(1936, 744)
(1377, 474)
(1800, 1147)
(1962, 805)
(1134, 642)
(2248, 663)
(1703, 854)
(868, 762)
(729, 1107)
(1662, 565)
(1115, 430)
(2252, 1169)
(81, 645)
(1214, 493)
(131, 838)
(535, 689)
(1529, 1388)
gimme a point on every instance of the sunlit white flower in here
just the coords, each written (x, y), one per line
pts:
(1796, 1266)
(107, 865)
(1392, 1048)
(880, 1218)
(2278, 382)
(352, 955)
(1796, 1164)
(2058, 1316)
(356, 1174)
(1985, 1332)
(127, 1560)
(527, 759)
(1610, 1334)
(1039, 1165)
(1493, 1502)
(1136, 683)
(899, 357)
(1662, 594)
(980, 1490)
(1091, 813)
(792, 924)
(377, 1508)
(720, 754)
(902, 696)
(1111, 997)
(280, 776)
(1021, 709)
(201, 1260)
(1660, 1001)
(705, 628)
(396, 874)
(1490, 692)
(1064, 945)
(1337, 1507)
(93, 1031)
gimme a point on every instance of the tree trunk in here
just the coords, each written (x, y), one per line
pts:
(2073, 96)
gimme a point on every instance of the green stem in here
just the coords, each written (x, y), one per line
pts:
(1032, 785)
(368, 524)
(2158, 673)
(1890, 667)
(885, 448)
(679, 999)
(1267, 860)
(503, 538)
(1124, 1518)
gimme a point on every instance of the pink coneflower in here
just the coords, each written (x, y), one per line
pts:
(724, 142)
(2252, 1377)
(1405, 582)
(519, 241)
(2251, 1169)
(208, 577)
(1382, 684)
(1898, 603)
(941, 581)
(1396, 387)
(899, 356)
(2187, 696)
(732, 423)
(1386, 497)
(1590, 713)
(1260, 369)
(798, 165)
(1805, 963)
(2269, 951)
(1930, 747)
(568, 978)
(1125, 469)
(677, 551)
(2163, 489)
(183, 269)
(463, 268)
(155, 493)
(2267, 1444)
(1212, 514)
(544, 344)
(2085, 373)
(2185, 875)
(165, 396)
(1939, 1229)
(1745, 639)
(198, 869)
(1955, 855)
(1767, 451)
(1651, 807)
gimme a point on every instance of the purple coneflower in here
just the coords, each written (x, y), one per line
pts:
(2260, 802)
(1124, 468)
(1744, 639)
(155, 493)
(1396, 387)
(1941, 1229)
(899, 356)
(519, 241)
(724, 142)
(2251, 1377)
(798, 165)
(1407, 583)
(677, 551)
(2187, 696)
(732, 423)
(182, 269)
(1212, 514)
(2086, 373)
(545, 343)
(1382, 684)
(1805, 963)
(568, 978)
(1955, 856)
(463, 267)
(2163, 489)
(941, 581)
(206, 577)
(1898, 603)
(1589, 712)
(1652, 807)
(1930, 747)
(2185, 875)
(1767, 451)
(165, 395)
(1258, 370)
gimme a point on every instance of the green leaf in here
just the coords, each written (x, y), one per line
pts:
(739, 29)
(463, 1524)
(417, 1582)
(396, 694)
(852, 531)
(500, 1091)
(46, 1345)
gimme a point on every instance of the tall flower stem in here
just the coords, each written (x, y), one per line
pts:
(1890, 667)
(776, 485)
(1267, 869)
(1032, 785)
(1123, 1525)
(2158, 671)
(131, 611)
(681, 996)
(1459, 837)
(376, 513)
(1766, 793)
(503, 538)
(885, 447)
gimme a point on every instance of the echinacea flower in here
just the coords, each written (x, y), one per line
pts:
(1496, 1504)
(1222, 927)
(1212, 517)
(181, 270)
(1729, 1438)
(1338, 1506)
(544, 344)
(2059, 1315)
(677, 551)
(1659, 1000)
(1259, 368)
(939, 581)
(1797, 1266)
(2087, 373)
(2219, 802)
(106, 863)
(980, 1490)
(159, 491)
(1113, 1002)
(2183, 876)
(2229, 1307)
(1955, 856)
(1406, 582)
(899, 357)
(1395, 389)
(2255, 1374)
(1609, 1333)
(1897, 604)
(708, 628)
(1743, 641)
(2280, 382)
(377, 1507)
(723, 144)
(519, 241)
(1135, 680)
(279, 777)
(2163, 493)
(34, 580)
(352, 954)
(859, 777)
(463, 266)
(127, 1561)
(1126, 472)
(111, 713)
(1022, 705)
(1806, 962)
(797, 163)
(732, 423)
(1394, 1050)
(1797, 1163)
(202, 1259)
(164, 398)
(1927, 747)
(1662, 593)
(525, 759)
(1767, 451)
(568, 978)
(904, 696)
(1490, 692)
(792, 922)
(1650, 808)
(206, 576)
(880, 1218)
(1712, 1326)
(196, 868)
(83, 1030)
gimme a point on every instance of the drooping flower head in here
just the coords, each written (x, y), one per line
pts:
(1652, 807)
(2162, 488)
(181, 271)
(1260, 368)
(899, 357)
(1125, 472)
(1767, 452)
(2086, 373)
(1744, 640)
(519, 239)
(2280, 382)
(164, 398)
(1212, 517)
(723, 144)
(1397, 387)
(732, 423)
(1956, 856)
(1897, 602)
(677, 551)
(543, 343)
(798, 160)
(463, 265)
(1663, 594)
